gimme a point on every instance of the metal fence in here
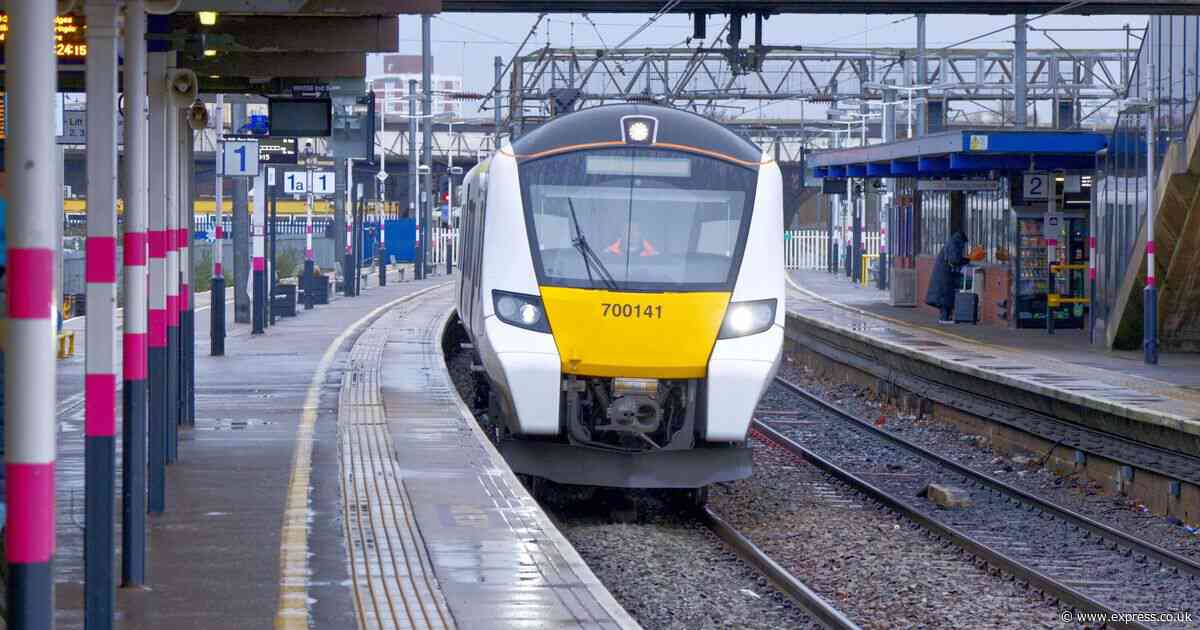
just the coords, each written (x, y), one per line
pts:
(809, 249)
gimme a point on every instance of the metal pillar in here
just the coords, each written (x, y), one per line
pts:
(272, 273)
(1020, 75)
(258, 224)
(922, 74)
(348, 223)
(31, 225)
(217, 309)
(133, 394)
(414, 195)
(885, 212)
(1150, 293)
(358, 237)
(339, 213)
(426, 139)
(241, 234)
(309, 263)
(187, 331)
(498, 65)
(171, 121)
(381, 181)
(157, 339)
(100, 380)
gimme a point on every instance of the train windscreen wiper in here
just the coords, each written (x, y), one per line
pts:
(589, 255)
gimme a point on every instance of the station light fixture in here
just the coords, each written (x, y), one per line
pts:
(208, 52)
(207, 18)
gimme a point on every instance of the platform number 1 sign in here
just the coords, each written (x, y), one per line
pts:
(239, 157)
(1037, 186)
(322, 182)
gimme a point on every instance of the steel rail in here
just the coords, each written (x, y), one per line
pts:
(1014, 567)
(824, 612)
(1096, 527)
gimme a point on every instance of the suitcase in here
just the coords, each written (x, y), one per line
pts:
(966, 308)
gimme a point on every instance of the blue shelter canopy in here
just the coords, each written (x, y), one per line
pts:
(964, 153)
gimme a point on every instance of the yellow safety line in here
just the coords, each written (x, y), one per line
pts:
(293, 608)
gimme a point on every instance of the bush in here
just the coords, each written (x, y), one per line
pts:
(287, 264)
(202, 271)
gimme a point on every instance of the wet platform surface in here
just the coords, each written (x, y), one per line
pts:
(475, 549)
(334, 480)
(214, 554)
(1063, 366)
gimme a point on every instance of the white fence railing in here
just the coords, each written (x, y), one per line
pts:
(809, 249)
(443, 240)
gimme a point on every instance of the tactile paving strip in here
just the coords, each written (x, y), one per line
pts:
(393, 579)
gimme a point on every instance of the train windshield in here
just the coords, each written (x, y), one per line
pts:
(637, 219)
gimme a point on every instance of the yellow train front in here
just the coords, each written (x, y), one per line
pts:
(622, 286)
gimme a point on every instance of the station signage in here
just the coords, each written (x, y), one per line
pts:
(271, 149)
(70, 36)
(958, 185)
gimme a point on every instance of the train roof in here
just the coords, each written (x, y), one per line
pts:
(606, 126)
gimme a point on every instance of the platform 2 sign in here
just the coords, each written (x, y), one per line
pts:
(70, 37)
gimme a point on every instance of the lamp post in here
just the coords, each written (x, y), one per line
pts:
(907, 88)
(309, 264)
(1150, 293)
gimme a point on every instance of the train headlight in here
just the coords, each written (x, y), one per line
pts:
(520, 310)
(747, 318)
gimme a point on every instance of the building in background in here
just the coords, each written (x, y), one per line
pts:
(388, 75)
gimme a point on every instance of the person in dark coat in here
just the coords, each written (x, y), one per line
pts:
(946, 277)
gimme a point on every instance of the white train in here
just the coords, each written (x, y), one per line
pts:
(622, 286)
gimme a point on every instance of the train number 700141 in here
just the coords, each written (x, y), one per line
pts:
(633, 311)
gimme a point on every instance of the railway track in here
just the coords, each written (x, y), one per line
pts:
(1088, 566)
(822, 611)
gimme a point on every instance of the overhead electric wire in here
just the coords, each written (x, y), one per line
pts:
(1066, 7)
(514, 58)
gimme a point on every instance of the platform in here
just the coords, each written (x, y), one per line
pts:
(334, 480)
(1062, 368)
(479, 547)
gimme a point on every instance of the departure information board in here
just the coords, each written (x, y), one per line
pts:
(70, 36)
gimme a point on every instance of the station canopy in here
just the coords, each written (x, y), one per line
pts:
(965, 152)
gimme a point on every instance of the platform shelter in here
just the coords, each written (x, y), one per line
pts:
(1023, 197)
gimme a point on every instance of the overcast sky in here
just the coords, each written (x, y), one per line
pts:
(465, 43)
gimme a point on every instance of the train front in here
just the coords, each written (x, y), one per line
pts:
(656, 239)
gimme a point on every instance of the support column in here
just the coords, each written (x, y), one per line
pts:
(258, 253)
(31, 225)
(381, 181)
(157, 241)
(922, 73)
(100, 379)
(426, 139)
(414, 196)
(1020, 80)
(187, 336)
(171, 122)
(339, 210)
(271, 272)
(348, 226)
(216, 314)
(241, 235)
(498, 68)
(309, 263)
(133, 393)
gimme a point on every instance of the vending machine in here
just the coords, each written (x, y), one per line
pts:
(1032, 271)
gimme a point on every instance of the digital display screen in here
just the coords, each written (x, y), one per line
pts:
(70, 35)
(638, 166)
(304, 117)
